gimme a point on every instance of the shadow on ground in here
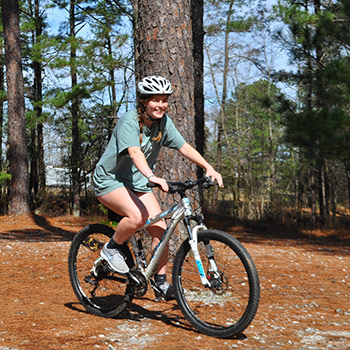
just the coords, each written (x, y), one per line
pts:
(40, 230)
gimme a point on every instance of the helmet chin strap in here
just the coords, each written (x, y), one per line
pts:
(150, 118)
(154, 120)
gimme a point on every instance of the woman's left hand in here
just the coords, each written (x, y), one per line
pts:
(215, 176)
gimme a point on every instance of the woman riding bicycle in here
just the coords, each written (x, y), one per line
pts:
(121, 175)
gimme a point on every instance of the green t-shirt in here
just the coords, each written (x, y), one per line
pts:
(116, 169)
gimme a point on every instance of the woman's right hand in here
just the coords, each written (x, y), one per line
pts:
(159, 181)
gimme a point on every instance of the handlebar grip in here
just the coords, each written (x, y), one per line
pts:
(207, 182)
(179, 187)
(152, 185)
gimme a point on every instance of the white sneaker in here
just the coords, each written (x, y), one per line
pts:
(115, 259)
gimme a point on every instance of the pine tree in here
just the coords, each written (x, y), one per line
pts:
(19, 199)
(164, 46)
(322, 117)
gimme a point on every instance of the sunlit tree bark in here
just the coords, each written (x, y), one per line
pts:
(19, 199)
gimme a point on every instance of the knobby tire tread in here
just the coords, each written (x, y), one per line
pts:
(76, 243)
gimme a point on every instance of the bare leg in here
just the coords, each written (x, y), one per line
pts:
(136, 209)
(125, 203)
(156, 231)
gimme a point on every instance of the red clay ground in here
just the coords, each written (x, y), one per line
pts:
(305, 296)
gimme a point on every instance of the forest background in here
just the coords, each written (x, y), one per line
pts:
(276, 81)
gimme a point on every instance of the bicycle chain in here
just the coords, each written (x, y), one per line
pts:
(140, 286)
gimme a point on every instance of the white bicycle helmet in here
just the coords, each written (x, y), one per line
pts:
(155, 85)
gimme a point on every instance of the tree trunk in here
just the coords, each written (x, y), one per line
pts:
(222, 116)
(321, 192)
(114, 94)
(37, 165)
(198, 63)
(321, 106)
(38, 96)
(298, 199)
(2, 100)
(164, 46)
(347, 174)
(19, 199)
(75, 155)
(313, 191)
(33, 171)
(333, 198)
(312, 147)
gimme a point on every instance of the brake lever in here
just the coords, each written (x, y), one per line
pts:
(208, 182)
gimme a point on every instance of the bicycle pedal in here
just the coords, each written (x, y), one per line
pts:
(159, 296)
(159, 299)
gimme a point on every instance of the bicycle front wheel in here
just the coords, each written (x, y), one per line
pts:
(99, 290)
(229, 305)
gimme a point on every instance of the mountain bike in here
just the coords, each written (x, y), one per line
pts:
(215, 280)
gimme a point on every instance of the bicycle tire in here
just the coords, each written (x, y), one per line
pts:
(230, 304)
(104, 293)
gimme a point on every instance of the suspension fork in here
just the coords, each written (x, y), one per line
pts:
(212, 264)
(193, 241)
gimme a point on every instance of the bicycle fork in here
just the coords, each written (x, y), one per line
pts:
(193, 240)
(194, 247)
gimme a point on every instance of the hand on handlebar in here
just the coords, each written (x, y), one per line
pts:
(215, 176)
(159, 181)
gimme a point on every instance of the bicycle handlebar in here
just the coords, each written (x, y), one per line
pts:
(181, 187)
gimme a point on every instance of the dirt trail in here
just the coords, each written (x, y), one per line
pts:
(305, 297)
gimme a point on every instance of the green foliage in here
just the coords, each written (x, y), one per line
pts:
(2, 96)
(227, 18)
(252, 151)
(4, 177)
(323, 119)
(241, 25)
(64, 97)
(317, 132)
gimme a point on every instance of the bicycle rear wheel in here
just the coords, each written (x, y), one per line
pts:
(229, 305)
(99, 290)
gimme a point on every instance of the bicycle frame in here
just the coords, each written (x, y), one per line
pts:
(222, 304)
(178, 212)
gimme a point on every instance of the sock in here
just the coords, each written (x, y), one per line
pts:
(160, 278)
(113, 244)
